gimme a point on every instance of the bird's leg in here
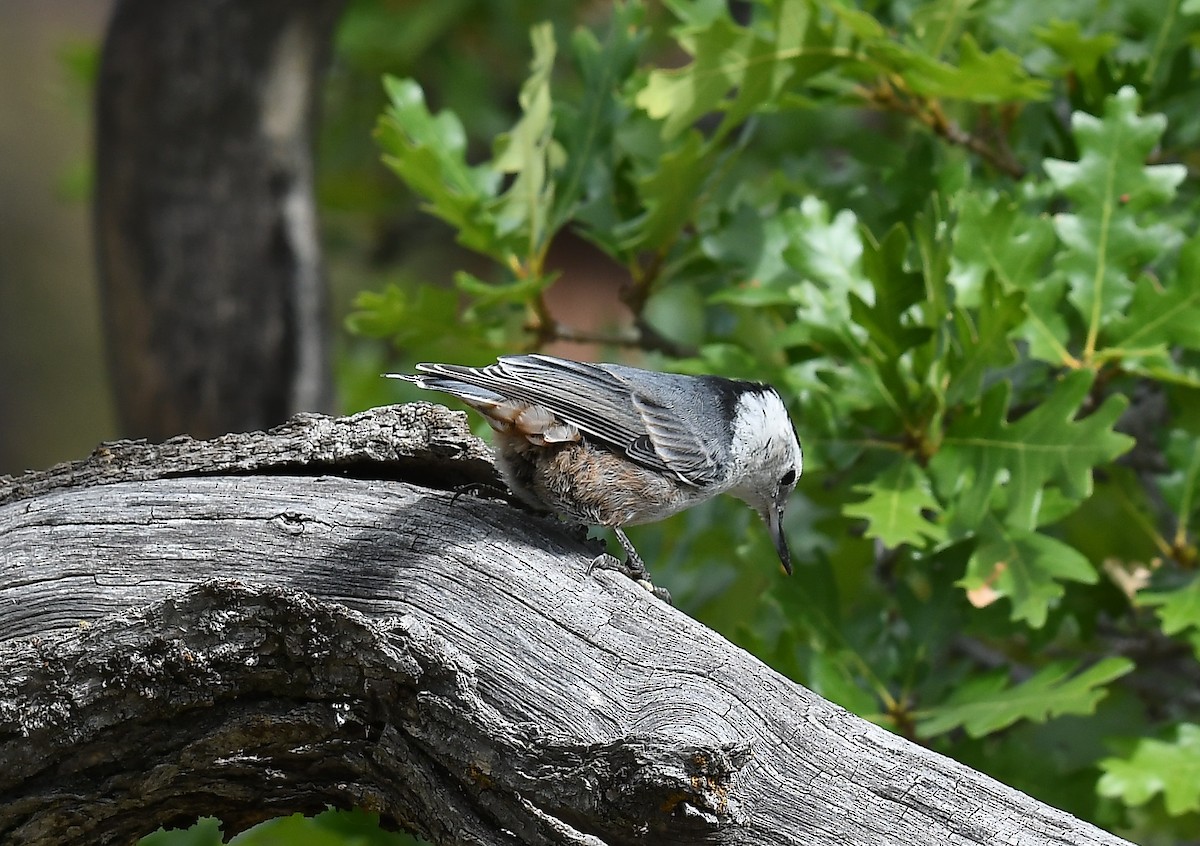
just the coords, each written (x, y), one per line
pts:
(634, 564)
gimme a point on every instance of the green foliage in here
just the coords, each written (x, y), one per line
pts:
(961, 241)
(430, 155)
(332, 828)
(987, 703)
(1158, 767)
(206, 832)
(1001, 468)
(1178, 609)
(900, 506)
(1103, 242)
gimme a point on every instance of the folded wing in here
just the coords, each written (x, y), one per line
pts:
(649, 422)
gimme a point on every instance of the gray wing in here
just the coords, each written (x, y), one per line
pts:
(643, 414)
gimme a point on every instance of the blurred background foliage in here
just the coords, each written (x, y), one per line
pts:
(959, 237)
(55, 402)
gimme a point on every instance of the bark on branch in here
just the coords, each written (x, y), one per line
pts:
(274, 622)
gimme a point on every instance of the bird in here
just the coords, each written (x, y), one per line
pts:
(614, 446)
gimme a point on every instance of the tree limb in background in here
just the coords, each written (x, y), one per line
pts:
(213, 292)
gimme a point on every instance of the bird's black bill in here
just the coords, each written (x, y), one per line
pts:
(774, 518)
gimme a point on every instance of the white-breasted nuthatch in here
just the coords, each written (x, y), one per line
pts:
(609, 445)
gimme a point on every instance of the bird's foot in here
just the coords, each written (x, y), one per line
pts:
(480, 490)
(633, 568)
(629, 569)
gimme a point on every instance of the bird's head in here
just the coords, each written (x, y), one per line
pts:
(766, 459)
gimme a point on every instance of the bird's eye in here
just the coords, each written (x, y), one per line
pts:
(788, 478)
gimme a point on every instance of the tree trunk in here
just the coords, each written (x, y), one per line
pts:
(273, 622)
(213, 293)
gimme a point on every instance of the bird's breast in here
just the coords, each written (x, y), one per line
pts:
(588, 484)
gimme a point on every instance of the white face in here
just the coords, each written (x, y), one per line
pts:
(766, 449)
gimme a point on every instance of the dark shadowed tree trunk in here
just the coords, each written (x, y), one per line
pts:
(273, 622)
(214, 300)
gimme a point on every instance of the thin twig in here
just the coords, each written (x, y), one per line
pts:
(929, 113)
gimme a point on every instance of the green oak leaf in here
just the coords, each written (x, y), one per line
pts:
(1026, 567)
(1171, 768)
(668, 190)
(979, 77)
(587, 127)
(428, 152)
(900, 506)
(983, 454)
(1160, 316)
(895, 291)
(491, 293)
(529, 152)
(985, 704)
(751, 245)
(412, 315)
(826, 250)
(1178, 609)
(980, 341)
(681, 96)
(1180, 485)
(891, 324)
(738, 70)
(994, 235)
(1081, 53)
(1103, 242)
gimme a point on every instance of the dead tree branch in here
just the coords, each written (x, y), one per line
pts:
(273, 622)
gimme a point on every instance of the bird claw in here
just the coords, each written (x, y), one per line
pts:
(634, 569)
(480, 490)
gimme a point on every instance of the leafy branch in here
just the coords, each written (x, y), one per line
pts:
(890, 95)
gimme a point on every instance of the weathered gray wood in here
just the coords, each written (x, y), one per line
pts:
(251, 645)
(418, 441)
